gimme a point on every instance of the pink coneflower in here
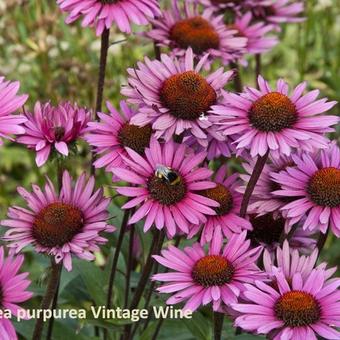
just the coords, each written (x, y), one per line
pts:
(60, 225)
(13, 291)
(165, 183)
(280, 11)
(10, 102)
(174, 97)
(113, 133)
(307, 309)
(267, 230)
(181, 28)
(270, 120)
(255, 33)
(51, 128)
(102, 14)
(227, 214)
(314, 186)
(289, 262)
(217, 277)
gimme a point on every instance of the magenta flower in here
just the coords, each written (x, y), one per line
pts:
(10, 102)
(281, 11)
(60, 225)
(13, 291)
(51, 128)
(307, 309)
(314, 186)
(255, 33)
(206, 33)
(113, 133)
(217, 277)
(172, 202)
(102, 14)
(266, 120)
(227, 214)
(289, 262)
(174, 97)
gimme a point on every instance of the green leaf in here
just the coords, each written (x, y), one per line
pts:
(94, 280)
(199, 326)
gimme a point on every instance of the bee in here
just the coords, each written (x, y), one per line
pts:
(167, 174)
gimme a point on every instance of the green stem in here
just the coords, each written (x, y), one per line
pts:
(147, 302)
(102, 69)
(258, 67)
(48, 297)
(260, 163)
(105, 37)
(322, 241)
(218, 323)
(157, 51)
(60, 171)
(116, 257)
(237, 77)
(115, 262)
(129, 266)
(155, 248)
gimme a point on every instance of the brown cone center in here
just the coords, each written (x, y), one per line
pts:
(221, 195)
(57, 224)
(59, 132)
(187, 95)
(196, 33)
(212, 270)
(324, 187)
(165, 192)
(297, 309)
(135, 137)
(272, 112)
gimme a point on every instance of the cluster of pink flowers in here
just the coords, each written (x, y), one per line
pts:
(176, 124)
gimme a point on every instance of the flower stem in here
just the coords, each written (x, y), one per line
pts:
(258, 67)
(156, 48)
(157, 51)
(102, 68)
(129, 266)
(218, 323)
(156, 246)
(54, 306)
(322, 241)
(115, 262)
(60, 171)
(48, 297)
(152, 286)
(158, 328)
(237, 77)
(147, 302)
(260, 163)
(115, 258)
(101, 79)
(288, 236)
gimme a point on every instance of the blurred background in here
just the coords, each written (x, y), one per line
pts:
(56, 62)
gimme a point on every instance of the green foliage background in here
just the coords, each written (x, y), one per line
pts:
(57, 62)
